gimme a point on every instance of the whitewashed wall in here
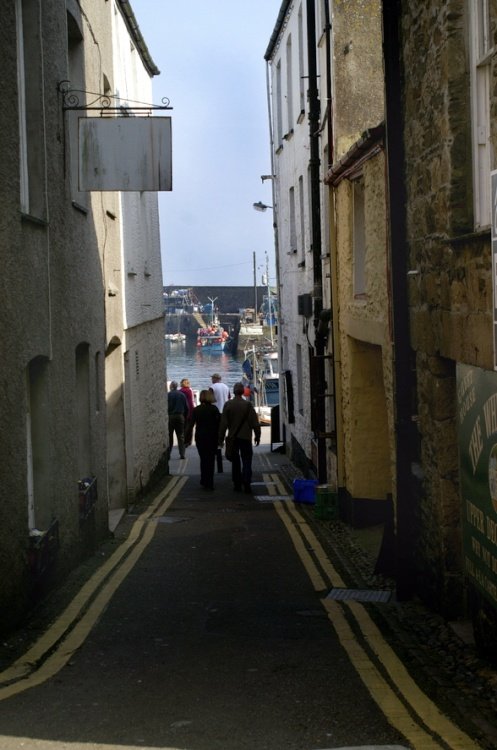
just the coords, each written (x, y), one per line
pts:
(141, 289)
(291, 162)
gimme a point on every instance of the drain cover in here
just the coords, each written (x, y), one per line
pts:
(271, 498)
(359, 595)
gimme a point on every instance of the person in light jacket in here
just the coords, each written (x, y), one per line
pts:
(239, 419)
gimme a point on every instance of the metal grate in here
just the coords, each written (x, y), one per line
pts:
(359, 595)
(271, 498)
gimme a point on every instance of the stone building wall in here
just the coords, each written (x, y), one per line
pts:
(450, 273)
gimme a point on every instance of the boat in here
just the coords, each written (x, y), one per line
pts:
(176, 338)
(261, 379)
(213, 338)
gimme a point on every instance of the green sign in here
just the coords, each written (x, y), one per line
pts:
(477, 417)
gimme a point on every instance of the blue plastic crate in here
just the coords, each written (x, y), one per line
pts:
(304, 490)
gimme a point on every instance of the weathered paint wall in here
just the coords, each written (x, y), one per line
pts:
(52, 302)
(141, 284)
(365, 343)
(357, 72)
(62, 305)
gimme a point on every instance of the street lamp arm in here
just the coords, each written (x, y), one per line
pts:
(260, 206)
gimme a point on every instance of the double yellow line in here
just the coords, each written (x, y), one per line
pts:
(57, 645)
(404, 705)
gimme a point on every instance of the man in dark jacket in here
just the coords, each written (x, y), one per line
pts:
(177, 409)
(240, 419)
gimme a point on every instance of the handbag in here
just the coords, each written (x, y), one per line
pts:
(230, 441)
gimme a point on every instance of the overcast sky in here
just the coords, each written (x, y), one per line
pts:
(211, 58)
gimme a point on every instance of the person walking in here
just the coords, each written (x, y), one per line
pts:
(205, 421)
(220, 390)
(185, 388)
(177, 409)
(221, 395)
(240, 419)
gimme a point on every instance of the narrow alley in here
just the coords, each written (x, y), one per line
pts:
(207, 623)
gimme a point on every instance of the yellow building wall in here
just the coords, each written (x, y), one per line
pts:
(365, 350)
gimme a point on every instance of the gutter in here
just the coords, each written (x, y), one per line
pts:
(133, 28)
(277, 29)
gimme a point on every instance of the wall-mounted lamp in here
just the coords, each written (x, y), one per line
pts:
(260, 206)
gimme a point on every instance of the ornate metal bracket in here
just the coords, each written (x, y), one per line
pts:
(104, 102)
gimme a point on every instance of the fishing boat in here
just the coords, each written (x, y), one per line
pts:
(261, 379)
(213, 338)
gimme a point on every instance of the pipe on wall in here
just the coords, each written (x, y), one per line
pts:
(318, 385)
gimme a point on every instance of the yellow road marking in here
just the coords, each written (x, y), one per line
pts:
(393, 708)
(22, 668)
(381, 692)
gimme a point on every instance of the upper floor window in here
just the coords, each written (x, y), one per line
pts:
(301, 62)
(279, 115)
(289, 84)
(31, 109)
(481, 49)
(76, 72)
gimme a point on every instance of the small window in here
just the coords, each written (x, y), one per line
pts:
(359, 238)
(31, 109)
(480, 59)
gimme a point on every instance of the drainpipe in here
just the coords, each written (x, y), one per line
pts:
(318, 385)
(330, 194)
(405, 522)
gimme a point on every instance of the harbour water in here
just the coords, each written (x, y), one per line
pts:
(186, 360)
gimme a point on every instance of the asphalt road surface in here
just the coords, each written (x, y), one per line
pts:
(205, 626)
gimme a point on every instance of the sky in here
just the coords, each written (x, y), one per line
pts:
(211, 58)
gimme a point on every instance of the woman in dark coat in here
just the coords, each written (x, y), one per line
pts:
(205, 419)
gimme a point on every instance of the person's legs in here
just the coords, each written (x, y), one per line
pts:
(171, 434)
(179, 428)
(246, 453)
(210, 459)
(201, 453)
(236, 469)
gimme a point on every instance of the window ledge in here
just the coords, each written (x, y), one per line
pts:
(479, 234)
(30, 219)
(79, 207)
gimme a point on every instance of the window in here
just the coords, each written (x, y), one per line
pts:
(75, 55)
(302, 217)
(301, 62)
(279, 114)
(31, 109)
(289, 84)
(359, 238)
(293, 225)
(480, 58)
(300, 391)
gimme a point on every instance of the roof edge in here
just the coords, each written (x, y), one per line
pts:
(277, 29)
(364, 148)
(133, 28)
